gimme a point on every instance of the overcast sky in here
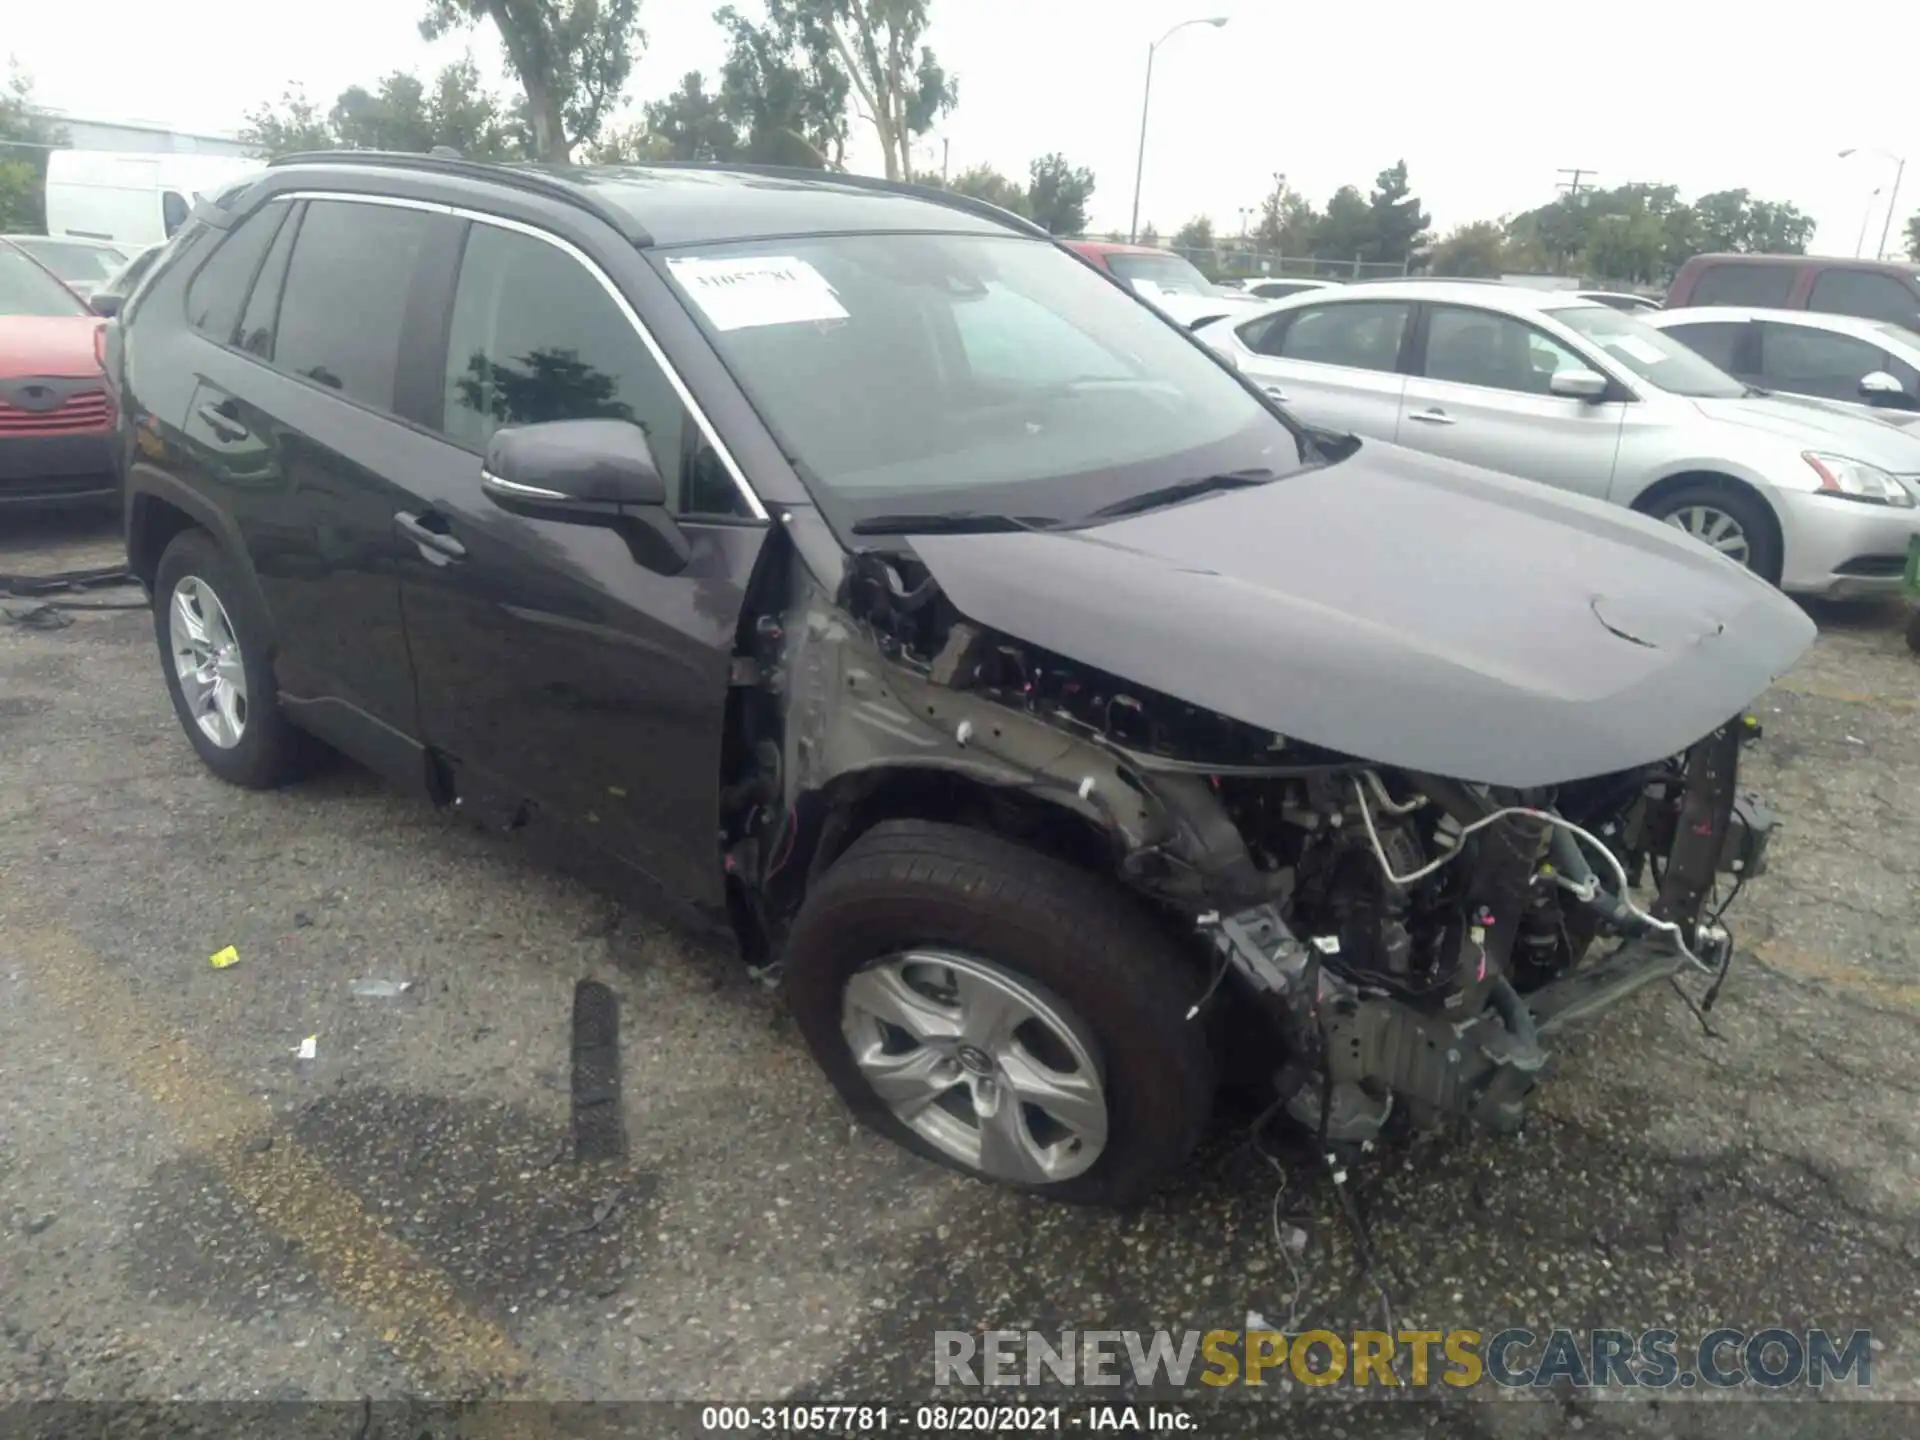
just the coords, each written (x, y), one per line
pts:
(1485, 101)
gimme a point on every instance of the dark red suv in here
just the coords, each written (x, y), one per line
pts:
(1872, 289)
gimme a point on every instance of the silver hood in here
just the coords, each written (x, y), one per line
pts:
(1818, 426)
(1403, 609)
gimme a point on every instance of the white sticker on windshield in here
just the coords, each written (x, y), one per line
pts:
(1634, 348)
(761, 290)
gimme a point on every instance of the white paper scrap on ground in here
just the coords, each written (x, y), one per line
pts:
(758, 290)
(308, 1048)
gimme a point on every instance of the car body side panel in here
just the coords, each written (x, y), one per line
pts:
(1569, 444)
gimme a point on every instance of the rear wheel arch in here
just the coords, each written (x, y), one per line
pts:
(160, 508)
(1656, 498)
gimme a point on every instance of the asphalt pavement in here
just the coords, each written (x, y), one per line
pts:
(191, 1211)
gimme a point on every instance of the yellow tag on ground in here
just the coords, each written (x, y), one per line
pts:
(221, 959)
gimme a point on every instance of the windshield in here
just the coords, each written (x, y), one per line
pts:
(914, 373)
(1169, 274)
(1656, 358)
(87, 263)
(26, 289)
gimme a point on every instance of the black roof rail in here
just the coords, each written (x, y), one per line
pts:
(443, 162)
(984, 209)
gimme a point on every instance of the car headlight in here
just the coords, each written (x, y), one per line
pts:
(1856, 480)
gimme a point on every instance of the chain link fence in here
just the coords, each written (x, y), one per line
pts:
(1235, 262)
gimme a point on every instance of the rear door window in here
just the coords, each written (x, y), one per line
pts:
(174, 210)
(1359, 334)
(263, 305)
(1498, 352)
(1870, 294)
(345, 301)
(217, 293)
(1737, 282)
(1805, 361)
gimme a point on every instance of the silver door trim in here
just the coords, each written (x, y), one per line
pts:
(753, 502)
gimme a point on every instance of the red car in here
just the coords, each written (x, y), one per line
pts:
(1169, 281)
(56, 417)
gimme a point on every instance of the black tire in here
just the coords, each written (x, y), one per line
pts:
(270, 752)
(1913, 629)
(1748, 510)
(1081, 937)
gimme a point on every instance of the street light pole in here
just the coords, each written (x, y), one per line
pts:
(1893, 202)
(1146, 101)
(1893, 199)
(1865, 220)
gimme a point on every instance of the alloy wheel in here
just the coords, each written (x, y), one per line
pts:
(980, 1062)
(207, 661)
(1716, 528)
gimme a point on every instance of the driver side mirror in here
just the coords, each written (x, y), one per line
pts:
(1588, 385)
(1880, 388)
(587, 472)
(104, 304)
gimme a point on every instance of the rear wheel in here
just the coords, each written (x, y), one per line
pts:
(1002, 1012)
(1913, 629)
(1735, 523)
(213, 651)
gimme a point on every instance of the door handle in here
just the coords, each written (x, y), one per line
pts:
(221, 423)
(1275, 391)
(436, 546)
(1434, 416)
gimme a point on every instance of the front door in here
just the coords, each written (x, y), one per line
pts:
(554, 669)
(1479, 393)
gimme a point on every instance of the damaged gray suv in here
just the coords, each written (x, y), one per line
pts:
(1069, 727)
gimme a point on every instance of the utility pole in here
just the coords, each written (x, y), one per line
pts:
(1572, 184)
(945, 144)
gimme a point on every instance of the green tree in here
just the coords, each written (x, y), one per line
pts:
(1734, 220)
(1151, 237)
(898, 81)
(1057, 194)
(627, 145)
(983, 182)
(1287, 221)
(1196, 234)
(1399, 224)
(1346, 230)
(1913, 236)
(25, 142)
(571, 57)
(1475, 250)
(399, 113)
(690, 124)
(1628, 246)
(783, 91)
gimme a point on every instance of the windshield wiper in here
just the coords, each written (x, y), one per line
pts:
(951, 522)
(1182, 490)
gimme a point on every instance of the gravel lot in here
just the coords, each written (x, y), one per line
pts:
(187, 1210)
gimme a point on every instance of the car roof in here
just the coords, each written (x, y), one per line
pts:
(1843, 262)
(1879, 331)
(1117, 247)
(1510, 299)
(72, 240)
(689, 204)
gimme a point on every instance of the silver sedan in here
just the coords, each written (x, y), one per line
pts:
(1557, 389)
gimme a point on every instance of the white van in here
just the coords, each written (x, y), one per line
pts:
(136, 197)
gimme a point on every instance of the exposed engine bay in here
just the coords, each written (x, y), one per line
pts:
(1413, 941)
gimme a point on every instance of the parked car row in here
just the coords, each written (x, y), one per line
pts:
(1587, 398)
(1068, 723)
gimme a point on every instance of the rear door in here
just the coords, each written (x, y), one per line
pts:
(1335, 365)
(1479, 393)
(294, 416)
(555, 670)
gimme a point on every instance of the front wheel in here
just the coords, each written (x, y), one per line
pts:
(1734, 522)
(1913, 629)
(1001, 1012)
